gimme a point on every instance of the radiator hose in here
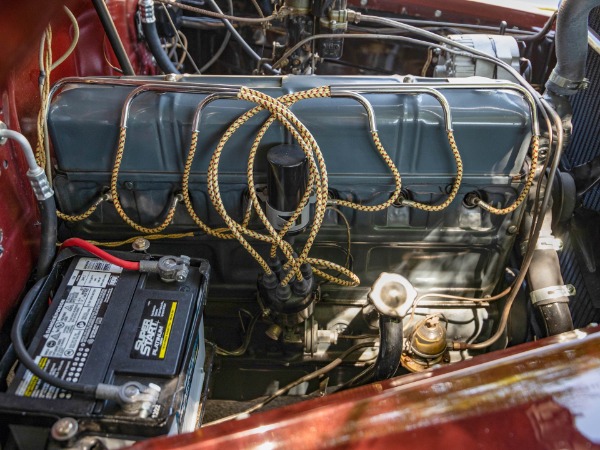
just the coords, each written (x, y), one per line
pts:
(544, 274)
(390, 348)
(567, 78)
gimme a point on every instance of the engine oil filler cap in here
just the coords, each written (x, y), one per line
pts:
(392, 295)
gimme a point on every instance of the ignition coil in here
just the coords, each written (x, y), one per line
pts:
(287, 180)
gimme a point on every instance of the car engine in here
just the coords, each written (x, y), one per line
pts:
(280, 226)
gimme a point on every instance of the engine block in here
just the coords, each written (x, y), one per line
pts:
(462, 249)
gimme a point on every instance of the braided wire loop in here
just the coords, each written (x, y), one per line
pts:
(455, 184)
(115, 194)
(535, 144)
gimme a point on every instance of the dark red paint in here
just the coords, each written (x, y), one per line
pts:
(509, 399)
(22, 24)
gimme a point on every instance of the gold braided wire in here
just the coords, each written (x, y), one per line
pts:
(84, 215)
(215, 196)
(289, 100)
(222, 233)
(46, 66)
(185, 186)
(213, 174)
(77, 217)
(279, 109)
(455, 185)
(213, 183)
(150, 237)
(352, 281)
(115, 194)
(276, 237)
(535, 142)
(397, 181)
(279, 112)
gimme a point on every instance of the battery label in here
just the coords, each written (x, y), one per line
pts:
(68, 339)
(154, 330)
(97, 265)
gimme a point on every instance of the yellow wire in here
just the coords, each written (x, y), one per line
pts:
(150, 237)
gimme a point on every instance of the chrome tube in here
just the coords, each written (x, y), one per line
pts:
(180, 89)
(434, 88)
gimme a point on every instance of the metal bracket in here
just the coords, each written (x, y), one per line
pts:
(544, 243)
(548, 294)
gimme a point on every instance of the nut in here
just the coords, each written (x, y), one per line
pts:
(64, 429)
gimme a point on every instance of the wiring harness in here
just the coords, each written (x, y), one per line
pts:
(318, 185)
(280, 110)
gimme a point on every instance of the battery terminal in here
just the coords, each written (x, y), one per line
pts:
(168, 268)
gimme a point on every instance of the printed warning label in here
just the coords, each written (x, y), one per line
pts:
(97, 265)
(154, 330)
(68, 339)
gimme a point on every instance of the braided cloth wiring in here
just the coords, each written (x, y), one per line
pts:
(535, 143)
(279, 109)
(115, 194)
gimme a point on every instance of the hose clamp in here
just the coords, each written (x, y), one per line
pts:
(544, 243)
(568, 84)
(552, 294)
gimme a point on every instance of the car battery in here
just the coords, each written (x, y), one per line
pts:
(108, 325)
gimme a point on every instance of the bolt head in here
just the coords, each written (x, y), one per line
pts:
(169, 263)
(512, 229)
(64, 429)
(141, 244)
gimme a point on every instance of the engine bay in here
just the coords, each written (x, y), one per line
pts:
(279, 229)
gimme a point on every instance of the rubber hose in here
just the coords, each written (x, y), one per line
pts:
(153, 41)
(113, 37)
(48, 237)
(25, 357)
(557, 318)
(544, 272)
(571, 43)
(238, 37)
(390, 348)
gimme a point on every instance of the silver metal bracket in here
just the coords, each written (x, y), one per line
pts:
(146, 8)
(549, 294)
(544, 243)
(39, 184)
